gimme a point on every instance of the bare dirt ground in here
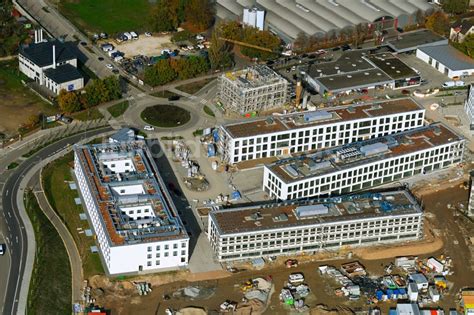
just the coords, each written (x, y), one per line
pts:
(447, 233)
(147, 46)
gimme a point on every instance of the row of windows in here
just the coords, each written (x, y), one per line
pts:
(167, 254)
(323, 230)
(166, 247)
(158, 262)
(235, 246)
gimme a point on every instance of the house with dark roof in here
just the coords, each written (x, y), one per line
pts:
(52, 65)
(460, 30)
(447, 59)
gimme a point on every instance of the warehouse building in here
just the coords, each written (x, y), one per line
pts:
(409, 42)
(288, 18)
(256, 88)
(364, 164)
(357, 70)
(300, 227)
(135, 221)
(316, 130)
(447, 59)
(52, 65)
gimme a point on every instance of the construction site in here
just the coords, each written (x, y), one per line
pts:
(257, 88)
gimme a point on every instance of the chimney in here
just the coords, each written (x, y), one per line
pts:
(36, 36)
(54, 57)
(40, 35)
(299, 90)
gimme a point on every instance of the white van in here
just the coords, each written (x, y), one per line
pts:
(448, 84)
(134, 35)
(296, 278)
(128, 35)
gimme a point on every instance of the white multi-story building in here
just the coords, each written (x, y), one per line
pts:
(134, 218)
(316, 130)
(469, 106)
(51, 64)
(256, 88)
(290, 228)
(364, 164)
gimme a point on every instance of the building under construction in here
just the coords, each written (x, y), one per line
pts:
(254, 89)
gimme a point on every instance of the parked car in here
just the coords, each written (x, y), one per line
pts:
(149, 128)
(101, 58)
(109, 66)
(66, 120)
(173, 98)
(147, 34)
(2, 249)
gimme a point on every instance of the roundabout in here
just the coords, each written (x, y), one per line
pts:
(165, 116)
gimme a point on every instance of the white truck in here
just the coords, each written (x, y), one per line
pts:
(449, 84)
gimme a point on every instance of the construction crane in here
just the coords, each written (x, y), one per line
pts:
(237, 42)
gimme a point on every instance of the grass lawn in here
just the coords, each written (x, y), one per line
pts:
(109, 16)
(90, 114)
(208, 111)
(50, 288)
(164, 94)
(193, 88)
(17, 101)
(118, 109)
(61, 197)
(165, 116)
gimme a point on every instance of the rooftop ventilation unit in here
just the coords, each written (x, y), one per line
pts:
(437, 130)
(269, 121)
(290, 169)
(281, 218)
(351, 109)
(316, 116)
(372, 149)
(311, 211)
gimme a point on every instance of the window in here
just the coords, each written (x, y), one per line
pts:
(157, 255)
(175, 246)
(166, 254)
(148, 264)
(175, 253)
(157, 262)
(149, 256)
(167, 247)
(149, 248)
(183, 245)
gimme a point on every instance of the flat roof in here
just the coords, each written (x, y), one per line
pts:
(450, 57)
(349, 61)
(117, 192)
(355, 154)
(314, 211)
(355, 80)
(253, 77)
(392, 66)
(339, 114)
(63, 74)
(416, 39)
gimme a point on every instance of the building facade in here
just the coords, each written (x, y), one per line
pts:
(52, 65)
(447, 59)
(256, 88)
(364, 164)
(316, 130)
(132, 214)
(307, 227)
(469, 106)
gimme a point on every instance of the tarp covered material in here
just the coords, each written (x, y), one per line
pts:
(256, 294)
(236, 195)
(191, 311)
(191, 291)
(263, 284)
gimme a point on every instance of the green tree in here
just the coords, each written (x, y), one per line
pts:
(218, 52)
(438, 22)
(160, 19)
(231, 30)
(263, 39)
(160, 73)
(198, 15)
(68, 101)
(455, 6)
(112, 84)
(467, 46)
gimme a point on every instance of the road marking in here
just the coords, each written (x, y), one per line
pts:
(6, 194)
(9, 214)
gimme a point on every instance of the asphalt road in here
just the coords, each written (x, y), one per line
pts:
(16, 237)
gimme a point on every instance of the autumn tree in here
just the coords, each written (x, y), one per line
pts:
(33, 120)
(455, 6)
(219, 52)
(198, 15)
(231, 30)
(161, 19)
(438, 22)
(160, 73)
(264, 39)
(68, 101)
